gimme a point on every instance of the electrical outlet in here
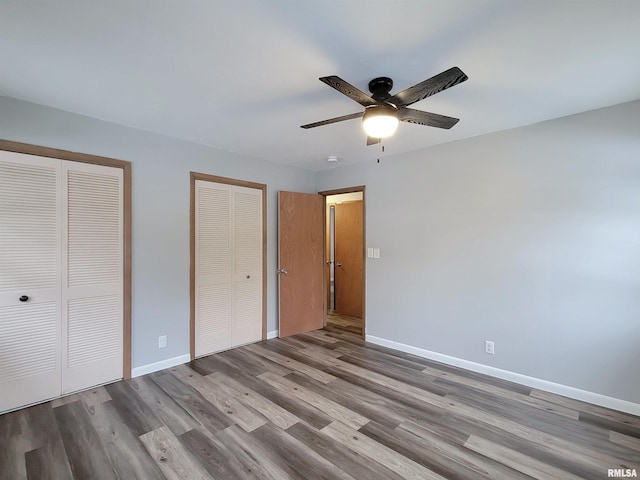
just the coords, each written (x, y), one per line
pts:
(162, 341)
(489, 347)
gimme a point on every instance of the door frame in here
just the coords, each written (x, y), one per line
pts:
(192, 255)
(325, 194)
(29, 149)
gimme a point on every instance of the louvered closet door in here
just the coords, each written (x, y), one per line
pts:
(213, 286)
(228, 264)
(92, 293)
(247, 265)
(29, 266)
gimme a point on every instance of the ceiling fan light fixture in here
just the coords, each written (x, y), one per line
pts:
(380, 121)
(384, 111)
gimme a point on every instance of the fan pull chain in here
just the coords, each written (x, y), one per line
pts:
(381, 153)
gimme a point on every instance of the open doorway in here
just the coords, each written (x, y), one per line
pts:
(345, 259)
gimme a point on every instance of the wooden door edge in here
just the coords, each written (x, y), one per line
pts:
(324, 262)
(192, 265)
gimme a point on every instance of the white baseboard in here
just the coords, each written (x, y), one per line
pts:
(172, 362)
(557, 388)
(161, 365)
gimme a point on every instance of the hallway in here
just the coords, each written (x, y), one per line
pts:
(345, 323)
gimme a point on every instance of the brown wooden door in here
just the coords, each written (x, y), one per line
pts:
(327, 251)
(349, 258)
(301, 255)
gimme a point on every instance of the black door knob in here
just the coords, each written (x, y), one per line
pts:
(24, 298)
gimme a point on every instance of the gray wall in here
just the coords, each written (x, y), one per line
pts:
(528, 237)
(161, 167)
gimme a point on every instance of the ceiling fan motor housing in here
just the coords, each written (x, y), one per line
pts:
(380, 87)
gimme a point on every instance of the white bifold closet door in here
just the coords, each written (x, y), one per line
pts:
(30, 264)
(228, 266)
(61, 277)
(92, 293)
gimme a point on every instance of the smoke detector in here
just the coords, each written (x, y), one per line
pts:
(332, 158)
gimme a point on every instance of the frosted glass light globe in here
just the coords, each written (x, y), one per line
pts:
(380, 121)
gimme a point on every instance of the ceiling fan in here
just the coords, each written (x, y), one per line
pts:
(383, 111)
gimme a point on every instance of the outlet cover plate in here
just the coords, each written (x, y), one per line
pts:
(489, 347)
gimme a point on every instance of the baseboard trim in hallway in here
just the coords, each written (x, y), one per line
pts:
(545, 385)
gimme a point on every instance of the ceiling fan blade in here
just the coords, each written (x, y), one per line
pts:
(422, 90)
(349, 90)
(426, 118)
(373, 141)
(333, 120)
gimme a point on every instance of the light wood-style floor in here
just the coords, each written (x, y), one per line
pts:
(345, 323)
(322, 405)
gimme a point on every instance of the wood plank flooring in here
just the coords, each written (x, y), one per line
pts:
(321, 405)
(345, 323)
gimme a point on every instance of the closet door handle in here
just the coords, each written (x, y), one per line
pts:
(282, 271)
(24, 298)
(338, 264)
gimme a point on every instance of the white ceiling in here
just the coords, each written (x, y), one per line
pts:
(242, 75)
